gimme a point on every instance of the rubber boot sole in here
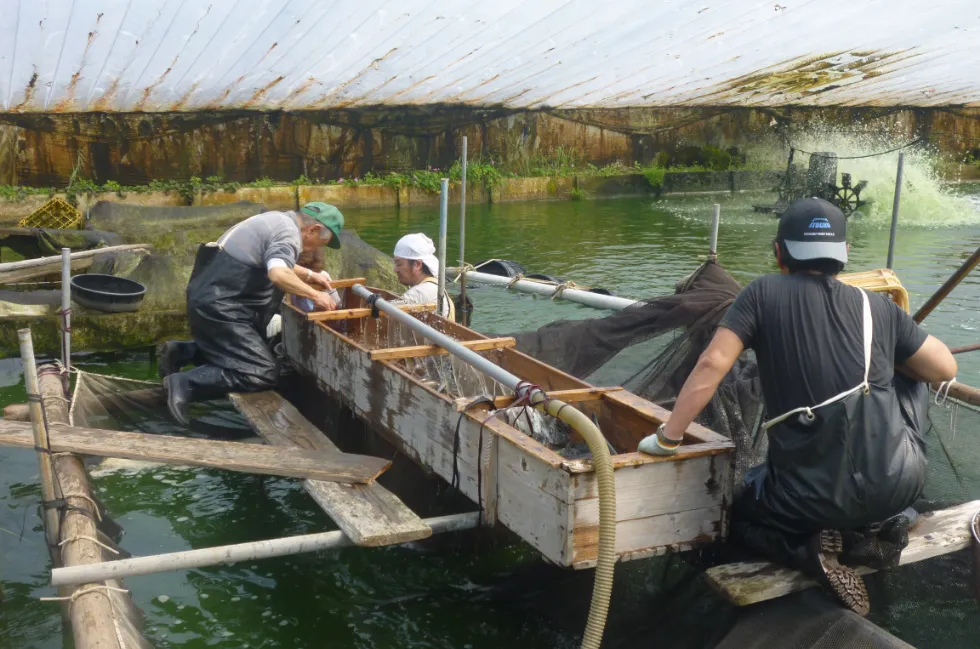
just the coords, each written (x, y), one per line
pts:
(844, 583)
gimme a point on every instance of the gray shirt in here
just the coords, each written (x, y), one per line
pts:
(807, 334)
(265, 240)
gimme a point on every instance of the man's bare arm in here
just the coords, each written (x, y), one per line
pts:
(711, 368)
(932, 363)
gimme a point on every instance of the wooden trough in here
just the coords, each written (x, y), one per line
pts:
(393, 382)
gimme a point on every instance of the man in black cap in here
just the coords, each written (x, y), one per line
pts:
(843, 375)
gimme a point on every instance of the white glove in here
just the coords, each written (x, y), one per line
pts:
(274, 327)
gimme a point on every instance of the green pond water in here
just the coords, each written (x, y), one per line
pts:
(471, 594)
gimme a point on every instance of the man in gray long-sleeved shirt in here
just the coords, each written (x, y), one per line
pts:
(228, 300)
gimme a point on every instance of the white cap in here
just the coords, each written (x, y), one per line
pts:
(418, 246)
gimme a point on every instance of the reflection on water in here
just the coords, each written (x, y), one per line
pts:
(468, 596)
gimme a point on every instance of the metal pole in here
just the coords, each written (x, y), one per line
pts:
(45, 464)
(480, 363)
(66, 309)
(898, 196)
(713, 249)
(464, 316)
(443, 218)
(97, 572)
(947, 286)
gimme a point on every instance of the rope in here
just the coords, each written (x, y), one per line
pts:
(82, 537)
(561, 289)
(942, 394)
(465, 268)
(857, 157)
(518, 277)
(84, 591)
(373, 303)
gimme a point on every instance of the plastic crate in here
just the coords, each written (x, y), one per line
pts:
(55, 214)
(881, 280)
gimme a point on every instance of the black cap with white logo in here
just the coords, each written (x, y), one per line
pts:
(813, 228)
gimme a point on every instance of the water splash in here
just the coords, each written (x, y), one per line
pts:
(928, 199)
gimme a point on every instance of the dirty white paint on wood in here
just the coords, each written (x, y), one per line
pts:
(936, 533)
(170, 55)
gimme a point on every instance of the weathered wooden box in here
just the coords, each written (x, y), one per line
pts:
(663, 504)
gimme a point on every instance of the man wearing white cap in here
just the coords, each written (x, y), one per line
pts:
(417, 267)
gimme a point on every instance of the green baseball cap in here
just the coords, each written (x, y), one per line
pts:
(329, 216)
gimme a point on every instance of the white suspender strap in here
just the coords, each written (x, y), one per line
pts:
(867, 330)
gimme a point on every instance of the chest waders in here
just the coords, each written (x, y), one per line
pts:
(227, 302)
(845, 463)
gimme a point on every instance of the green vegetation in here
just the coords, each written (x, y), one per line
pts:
(486, 172)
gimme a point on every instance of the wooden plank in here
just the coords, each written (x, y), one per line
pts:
(347, 283)
(418, 351)
(369, 515)
(935, 534)
(644, 537)
(629, 418)
(233, 456)
(575, 395)
(25, 274)
(347, 314)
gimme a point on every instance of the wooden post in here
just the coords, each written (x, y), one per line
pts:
(51, 523)
(100, 618)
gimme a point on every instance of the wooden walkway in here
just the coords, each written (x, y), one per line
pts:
(935, 533)
(368, 514)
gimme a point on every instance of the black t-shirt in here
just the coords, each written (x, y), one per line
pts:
(806, 331)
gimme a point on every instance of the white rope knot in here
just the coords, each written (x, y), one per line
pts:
(942, 394)
(561, 289)
(809, 414)
(82, 537)
(465, 268)
(518, 277)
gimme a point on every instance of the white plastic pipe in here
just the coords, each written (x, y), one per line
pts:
(715, 220)
(443, 220)
(594, 300)
(96, 572)
(66, 307)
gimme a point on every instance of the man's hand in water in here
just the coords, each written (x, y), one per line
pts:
(323, 302)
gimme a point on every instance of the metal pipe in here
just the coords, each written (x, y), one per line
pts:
(45, 465)
(948, 286)
(964, 349)
(443, 218)
(66, 310)
(97, 572)
(898, 196)
(715, 220)
(463, 317)
(548, 289)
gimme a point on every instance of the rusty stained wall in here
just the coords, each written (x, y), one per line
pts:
(132, 148)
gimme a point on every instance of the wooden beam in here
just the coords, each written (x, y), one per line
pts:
(936, 533)
(103, 619)
(575, 395)
(347, 283)
(26, 274)
(56, 260)
(233, 456)
(369, 514)
(346, 314)
(418, 351)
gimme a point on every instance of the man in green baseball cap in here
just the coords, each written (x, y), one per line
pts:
(232, 303)
(329, 217)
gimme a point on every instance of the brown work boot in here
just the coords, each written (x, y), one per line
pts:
(844, 583)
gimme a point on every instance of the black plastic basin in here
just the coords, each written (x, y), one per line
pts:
(107, 293)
